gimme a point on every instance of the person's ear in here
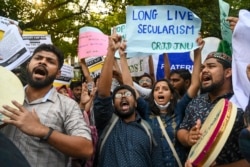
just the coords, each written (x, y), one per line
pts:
(228, 72)
(187, 83)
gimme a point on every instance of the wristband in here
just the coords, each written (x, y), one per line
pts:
(45, 138)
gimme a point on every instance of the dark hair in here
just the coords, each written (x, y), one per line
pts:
(224, 64)
(123, 87)
(74, 84)
(53, 49)
(184, 73)
(173, 101)
(146, 75)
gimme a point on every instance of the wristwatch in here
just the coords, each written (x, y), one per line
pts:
(45, 138)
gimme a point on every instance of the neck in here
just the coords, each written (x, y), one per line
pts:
(130, 119)
(215, 94)
(36, 93)
(222, 90)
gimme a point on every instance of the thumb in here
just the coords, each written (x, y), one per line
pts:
(198, 124)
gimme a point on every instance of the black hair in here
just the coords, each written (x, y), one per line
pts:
(53, 49)
(173, 101)
(184, 73)
(224, 64)
(74, 84)
(123, 87)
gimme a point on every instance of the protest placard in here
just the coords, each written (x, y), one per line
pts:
(226, 32)
(13, 51)
(161, 29)
(92, 43)
(67, 73)
(33, 39)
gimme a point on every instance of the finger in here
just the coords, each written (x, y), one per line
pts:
(198, 124)
(8, 114)
(12, 110)
(8, 121)
(18, 105)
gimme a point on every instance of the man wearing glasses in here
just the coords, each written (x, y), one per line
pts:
(128, 143)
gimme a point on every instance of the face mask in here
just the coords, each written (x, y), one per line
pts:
(162, 107)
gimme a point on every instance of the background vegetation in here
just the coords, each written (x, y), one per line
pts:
(63, 18)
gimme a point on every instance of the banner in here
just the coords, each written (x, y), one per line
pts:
(176, 61)
(240, 60)
(138, 66)
(161, 29)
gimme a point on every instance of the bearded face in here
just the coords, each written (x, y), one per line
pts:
(42, 69)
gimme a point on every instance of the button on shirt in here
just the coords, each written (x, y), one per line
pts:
(58, 112)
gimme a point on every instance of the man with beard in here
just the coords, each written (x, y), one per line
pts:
(48, 127)
(216, 83)
(128, 143)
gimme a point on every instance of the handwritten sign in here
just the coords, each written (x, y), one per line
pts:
(92, 43)
(161, 28)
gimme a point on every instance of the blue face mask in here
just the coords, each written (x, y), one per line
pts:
(162, 107)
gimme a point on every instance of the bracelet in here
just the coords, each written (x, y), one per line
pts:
(45, 138)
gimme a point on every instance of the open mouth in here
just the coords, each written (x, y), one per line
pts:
(124, 105)
(206, 78)
(40, 71)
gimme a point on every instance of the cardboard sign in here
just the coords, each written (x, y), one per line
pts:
(161, 29)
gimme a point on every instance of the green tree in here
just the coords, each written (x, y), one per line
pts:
(60, 18)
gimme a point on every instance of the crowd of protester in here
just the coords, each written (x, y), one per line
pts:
(115, 120)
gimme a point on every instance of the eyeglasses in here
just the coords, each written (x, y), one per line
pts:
(120, 95)
(144, 80)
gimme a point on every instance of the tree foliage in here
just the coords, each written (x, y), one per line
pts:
(63, 18)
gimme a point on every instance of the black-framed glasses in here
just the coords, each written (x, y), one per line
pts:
(120, 95)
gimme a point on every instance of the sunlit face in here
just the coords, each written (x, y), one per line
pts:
(124, 103)
(42, 69)
(162, 93)
(212, 75)
(145, 82)
(178, 83)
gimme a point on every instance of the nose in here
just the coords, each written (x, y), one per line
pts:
(42, 61)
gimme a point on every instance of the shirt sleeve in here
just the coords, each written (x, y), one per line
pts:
(144, 92)
(103, 110)
(75, 124)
